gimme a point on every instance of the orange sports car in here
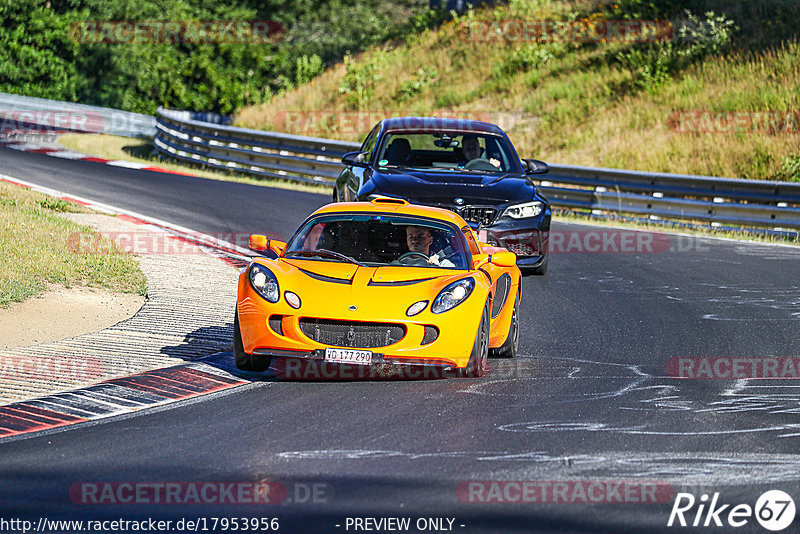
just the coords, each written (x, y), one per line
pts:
(381, 284)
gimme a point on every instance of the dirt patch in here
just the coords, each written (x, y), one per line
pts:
(62, 313)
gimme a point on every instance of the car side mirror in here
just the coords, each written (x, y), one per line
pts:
(355, 159)
(534, 166)
(260, 243)
(503, 259)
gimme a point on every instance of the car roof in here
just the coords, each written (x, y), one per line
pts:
(435, 124)
(394, 206)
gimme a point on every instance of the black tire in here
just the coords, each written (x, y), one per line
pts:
(511, 346)
(541, 270)
(245, 361)
(478, 364)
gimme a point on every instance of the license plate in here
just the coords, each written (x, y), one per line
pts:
(357, 357)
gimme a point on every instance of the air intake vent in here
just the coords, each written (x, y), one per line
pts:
(388, 201)
(352, 334)
(275, 322)
(431, 334)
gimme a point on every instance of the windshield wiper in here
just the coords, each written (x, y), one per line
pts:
(325, 253)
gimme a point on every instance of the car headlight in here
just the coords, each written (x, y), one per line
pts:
(264, 282)
(453, 295)
(524, 211)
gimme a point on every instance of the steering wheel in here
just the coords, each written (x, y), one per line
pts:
(480, 164)
(412, 254)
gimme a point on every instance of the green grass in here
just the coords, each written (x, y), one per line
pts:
(583, 103)
(35, 250)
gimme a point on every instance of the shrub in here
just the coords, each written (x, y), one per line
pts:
(425, 77)
(307, 68)
(652, 64)
(359, 80)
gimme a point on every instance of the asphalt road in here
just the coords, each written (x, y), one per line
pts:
(588, 399)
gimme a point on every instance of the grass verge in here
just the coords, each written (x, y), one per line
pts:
(35, 250)
(126, 149)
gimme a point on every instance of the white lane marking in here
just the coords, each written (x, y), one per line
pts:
(67, 154)
(128, 164)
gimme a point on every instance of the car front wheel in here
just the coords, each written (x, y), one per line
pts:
(511, 346)
(479, 359)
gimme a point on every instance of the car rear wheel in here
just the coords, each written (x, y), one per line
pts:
(245, 361)
(511, 346)
(479, 359)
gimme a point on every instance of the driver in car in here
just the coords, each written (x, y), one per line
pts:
(472, 151)
(419, 241)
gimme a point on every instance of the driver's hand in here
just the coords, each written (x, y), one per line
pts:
(434, 259)
(495, 162)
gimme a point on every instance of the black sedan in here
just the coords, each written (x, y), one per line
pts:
(467, 166)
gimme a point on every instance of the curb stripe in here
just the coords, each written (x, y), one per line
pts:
(70, 154)
(114, 397)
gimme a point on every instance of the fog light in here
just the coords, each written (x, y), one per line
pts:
(292, 299)
(416, 308)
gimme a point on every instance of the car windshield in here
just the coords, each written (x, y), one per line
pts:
(448, 151)
(380, 240)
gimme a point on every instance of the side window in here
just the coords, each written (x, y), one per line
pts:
(369, 143)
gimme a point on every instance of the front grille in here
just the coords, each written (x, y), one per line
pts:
(360, 335)
(484, 215)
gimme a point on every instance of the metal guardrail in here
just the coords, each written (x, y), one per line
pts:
(657, 195)
(30, 113)
(269, 154)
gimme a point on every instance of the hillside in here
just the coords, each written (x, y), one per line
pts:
(710, 93)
